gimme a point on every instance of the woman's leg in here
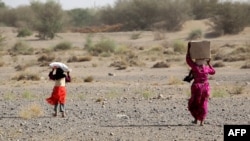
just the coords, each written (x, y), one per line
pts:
(62, 110)
(204, 103)
(55, 110)
(193, 103)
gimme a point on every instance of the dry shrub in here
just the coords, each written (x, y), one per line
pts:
(172, 58)
(127, 59)
(168, 52)
(73, 59)
(240, 50)
(31, 111)
(214, 50)
(25, 66)
(21, 47)
(218, 56)
(26, 76)
(179, 46)
(99, 100)
(246, 65)
(63, 46)
(20, 67)
(237, 90)
(159, 35)
(219, 64)
(154, 53)
(234, 58)
(135, 35)
(89, 79)
(214, 34)
(1, 63)
(238, 54)
(79, 59)
(94, 65)
(161, 65)
(174, 81)
(195, 34)
(165, 44)
(45, 59)
(119, 65)
(84, 58)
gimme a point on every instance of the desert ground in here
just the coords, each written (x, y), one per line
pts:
(138, 103)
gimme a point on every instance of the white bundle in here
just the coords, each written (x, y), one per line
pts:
(60, 65)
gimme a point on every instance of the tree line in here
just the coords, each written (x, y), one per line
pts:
(49, 18)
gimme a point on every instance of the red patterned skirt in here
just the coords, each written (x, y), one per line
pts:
(58, 95)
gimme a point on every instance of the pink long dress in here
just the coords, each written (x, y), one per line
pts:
(200, 89)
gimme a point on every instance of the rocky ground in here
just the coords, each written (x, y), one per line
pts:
(135, 105)
(139, 103)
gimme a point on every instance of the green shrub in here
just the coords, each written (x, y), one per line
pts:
(104, 46)
(195, 34)
(9, 96)
(89, 42)
(63, 46)
(135, 35)
(219, 92)
(147, 94)
(28, 95)
(179, 46)
(23, 32)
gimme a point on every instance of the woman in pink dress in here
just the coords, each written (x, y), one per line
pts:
(200, 89)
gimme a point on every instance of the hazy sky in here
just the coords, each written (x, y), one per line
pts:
(71, 4)
(66, 4)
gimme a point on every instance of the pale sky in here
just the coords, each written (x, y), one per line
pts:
(66, 4)
(71, 4)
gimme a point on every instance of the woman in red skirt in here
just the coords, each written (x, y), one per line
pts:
(58, 95)
(200, 89)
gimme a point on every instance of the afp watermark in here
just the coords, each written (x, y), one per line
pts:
(236, 132)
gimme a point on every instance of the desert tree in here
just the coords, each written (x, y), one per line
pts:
(49, 18)
(173, 14)
(231, 18)
(202, 9)
(142, 14)
(2, 4)
(82, 17)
